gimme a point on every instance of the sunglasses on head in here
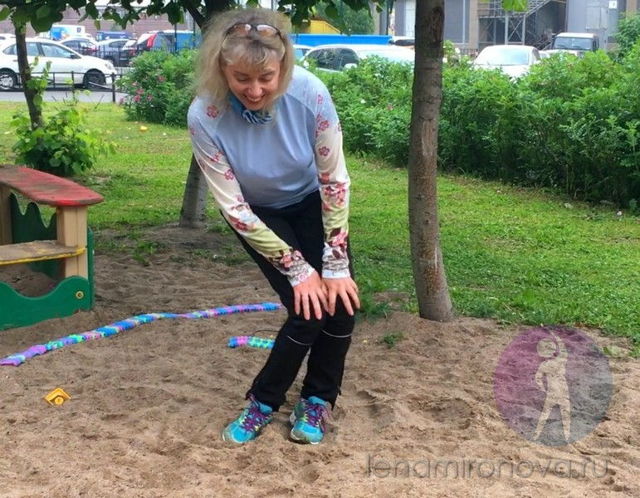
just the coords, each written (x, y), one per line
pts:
(264, 30)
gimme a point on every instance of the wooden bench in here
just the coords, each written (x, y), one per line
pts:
(71, 202)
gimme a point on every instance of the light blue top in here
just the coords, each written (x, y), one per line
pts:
(273, 162)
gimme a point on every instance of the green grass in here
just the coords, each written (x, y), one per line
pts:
(391, 339)
(142, 181)
(517, 255)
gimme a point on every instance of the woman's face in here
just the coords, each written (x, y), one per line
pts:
(254, 86)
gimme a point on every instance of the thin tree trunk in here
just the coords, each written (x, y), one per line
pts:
(432, 291)
(35, 112)
(194, 201)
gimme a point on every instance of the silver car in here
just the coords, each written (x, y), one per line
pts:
(113, 50)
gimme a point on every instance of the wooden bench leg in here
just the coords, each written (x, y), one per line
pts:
(5, 215)
(72, 231)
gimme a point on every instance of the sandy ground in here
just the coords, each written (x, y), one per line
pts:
(148, 405)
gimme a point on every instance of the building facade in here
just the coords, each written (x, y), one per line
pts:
(145, 24)
(470, 24)
(474, 24)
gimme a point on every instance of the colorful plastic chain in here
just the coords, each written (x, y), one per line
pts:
(18, 359)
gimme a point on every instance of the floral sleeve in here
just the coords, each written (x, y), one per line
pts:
(228, 196)
(334, 188)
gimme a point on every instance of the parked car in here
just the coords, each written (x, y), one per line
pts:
(574, 43)
(6, 36)
(300, 50)
(113, 50)
(169, 40)
(81, 44)
(112, 35)
(337, 57)
(86, 70)
(513, 60)
(403, 41)
(130, 47)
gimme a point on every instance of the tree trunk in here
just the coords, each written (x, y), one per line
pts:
(194, 200)
(35, 111)
(432, 291)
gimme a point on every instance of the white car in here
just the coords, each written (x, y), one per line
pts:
(573, 43)
(337, 57)
(300, 50)
(513, 60)
(65, 63)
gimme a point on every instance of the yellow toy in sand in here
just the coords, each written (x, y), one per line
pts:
(57, 397)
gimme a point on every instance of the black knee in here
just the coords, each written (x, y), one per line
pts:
(301, 331)
(341, 324)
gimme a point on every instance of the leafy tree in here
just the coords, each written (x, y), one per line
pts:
(30, 91)
(429, 276)
(346, 19)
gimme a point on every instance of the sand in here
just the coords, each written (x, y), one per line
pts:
(148, 405)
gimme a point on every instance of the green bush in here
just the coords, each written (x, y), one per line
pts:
(478, 114)
(160, 87)
(565, 76)
(571, 124)
(630, 81)
(628, 33)
(587, 127)
(374, 104)
(63, 145)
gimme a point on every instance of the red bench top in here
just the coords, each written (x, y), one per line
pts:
(44, 188)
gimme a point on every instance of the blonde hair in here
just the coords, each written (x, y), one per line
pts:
(218, 49)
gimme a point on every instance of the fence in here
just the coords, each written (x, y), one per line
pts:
(91, 80)
(122, 57)
(119, 57)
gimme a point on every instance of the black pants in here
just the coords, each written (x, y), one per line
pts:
(327, 340)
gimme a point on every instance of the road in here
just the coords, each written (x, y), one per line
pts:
(60, 95)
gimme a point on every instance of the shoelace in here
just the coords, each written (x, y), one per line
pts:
(315, 414)
(253, 418)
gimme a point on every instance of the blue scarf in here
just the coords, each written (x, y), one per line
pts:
(253, 117)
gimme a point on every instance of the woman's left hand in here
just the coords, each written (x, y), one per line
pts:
(346, 289)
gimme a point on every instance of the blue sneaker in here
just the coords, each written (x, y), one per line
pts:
(309, 419)
(250, 422)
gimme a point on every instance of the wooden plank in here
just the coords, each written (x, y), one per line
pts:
(38, 250)
(5, 215)
(72, 232)
(44, 188)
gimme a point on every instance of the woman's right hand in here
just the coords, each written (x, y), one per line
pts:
(309, 297)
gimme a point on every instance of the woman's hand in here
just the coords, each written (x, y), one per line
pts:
(347, 289)
(310, 296)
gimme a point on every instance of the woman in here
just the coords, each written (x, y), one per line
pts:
(267, 137)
